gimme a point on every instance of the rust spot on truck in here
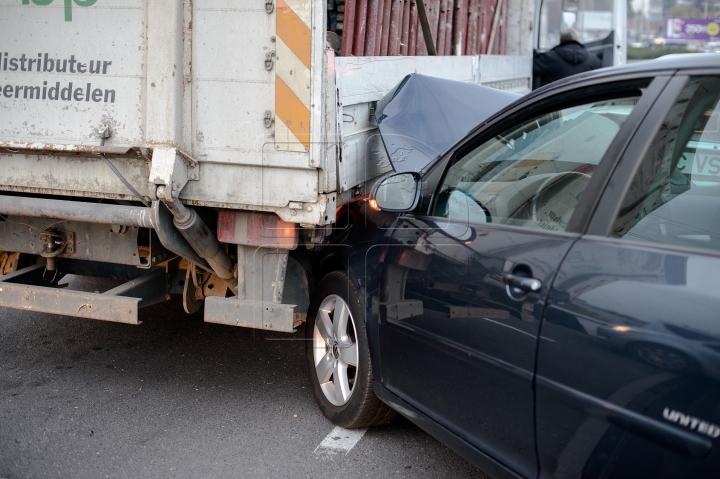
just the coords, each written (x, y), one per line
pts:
(35, 148)
(188, 41)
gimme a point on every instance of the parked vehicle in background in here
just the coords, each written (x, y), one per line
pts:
(539, 294)
(711, 47)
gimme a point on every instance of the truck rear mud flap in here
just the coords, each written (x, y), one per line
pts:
(24, 290)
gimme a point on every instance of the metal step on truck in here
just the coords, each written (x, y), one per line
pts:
(193, 148)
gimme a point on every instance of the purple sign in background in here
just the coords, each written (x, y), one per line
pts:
(692, 28)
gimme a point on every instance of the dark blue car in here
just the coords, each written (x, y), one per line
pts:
(538, 288)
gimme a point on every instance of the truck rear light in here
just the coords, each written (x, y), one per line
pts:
(256, 229)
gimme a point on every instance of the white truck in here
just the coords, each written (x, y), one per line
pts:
(187, 148)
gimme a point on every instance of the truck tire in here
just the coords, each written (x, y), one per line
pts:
(338, 356)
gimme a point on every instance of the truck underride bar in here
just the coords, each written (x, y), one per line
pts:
(137, 216)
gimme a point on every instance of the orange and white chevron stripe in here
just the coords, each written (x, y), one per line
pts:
(292, 74)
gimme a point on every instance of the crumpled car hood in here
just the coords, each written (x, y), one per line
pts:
(423, 116)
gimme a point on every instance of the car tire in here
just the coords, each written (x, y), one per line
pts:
(662, 357)
(335, 338)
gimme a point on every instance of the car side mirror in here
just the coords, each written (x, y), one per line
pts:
(398, 192)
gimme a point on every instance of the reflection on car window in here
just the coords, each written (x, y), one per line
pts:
(674, 198)
(533, 175)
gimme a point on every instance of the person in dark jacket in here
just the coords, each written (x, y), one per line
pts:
(568, 58)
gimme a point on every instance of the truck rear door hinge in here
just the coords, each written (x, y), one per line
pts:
(269, 119)
(269, 61)
(269, 6)
(173, 168)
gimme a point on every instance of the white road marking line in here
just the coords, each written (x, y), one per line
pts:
(340, 440)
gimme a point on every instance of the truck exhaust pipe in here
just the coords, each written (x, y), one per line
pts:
(199, 237)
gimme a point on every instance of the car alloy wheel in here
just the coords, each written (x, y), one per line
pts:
(663, 358)
(338, 355)
(335, 350)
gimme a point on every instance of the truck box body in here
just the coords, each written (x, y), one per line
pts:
(199, 77)
(233, 105)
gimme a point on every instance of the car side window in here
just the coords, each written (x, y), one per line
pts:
(674, 198)
(532, 174)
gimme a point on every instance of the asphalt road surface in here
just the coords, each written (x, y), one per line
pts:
(176, 397)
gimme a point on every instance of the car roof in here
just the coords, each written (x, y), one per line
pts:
(665, 64)
(676, 61)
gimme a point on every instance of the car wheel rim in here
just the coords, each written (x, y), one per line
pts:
(335, 350)
(662, 358)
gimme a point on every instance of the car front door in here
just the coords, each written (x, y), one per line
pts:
(628, 382)
(466, 282)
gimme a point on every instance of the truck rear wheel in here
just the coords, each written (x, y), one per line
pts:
(338, 356)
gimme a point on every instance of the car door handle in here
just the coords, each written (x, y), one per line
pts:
(528, 285)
